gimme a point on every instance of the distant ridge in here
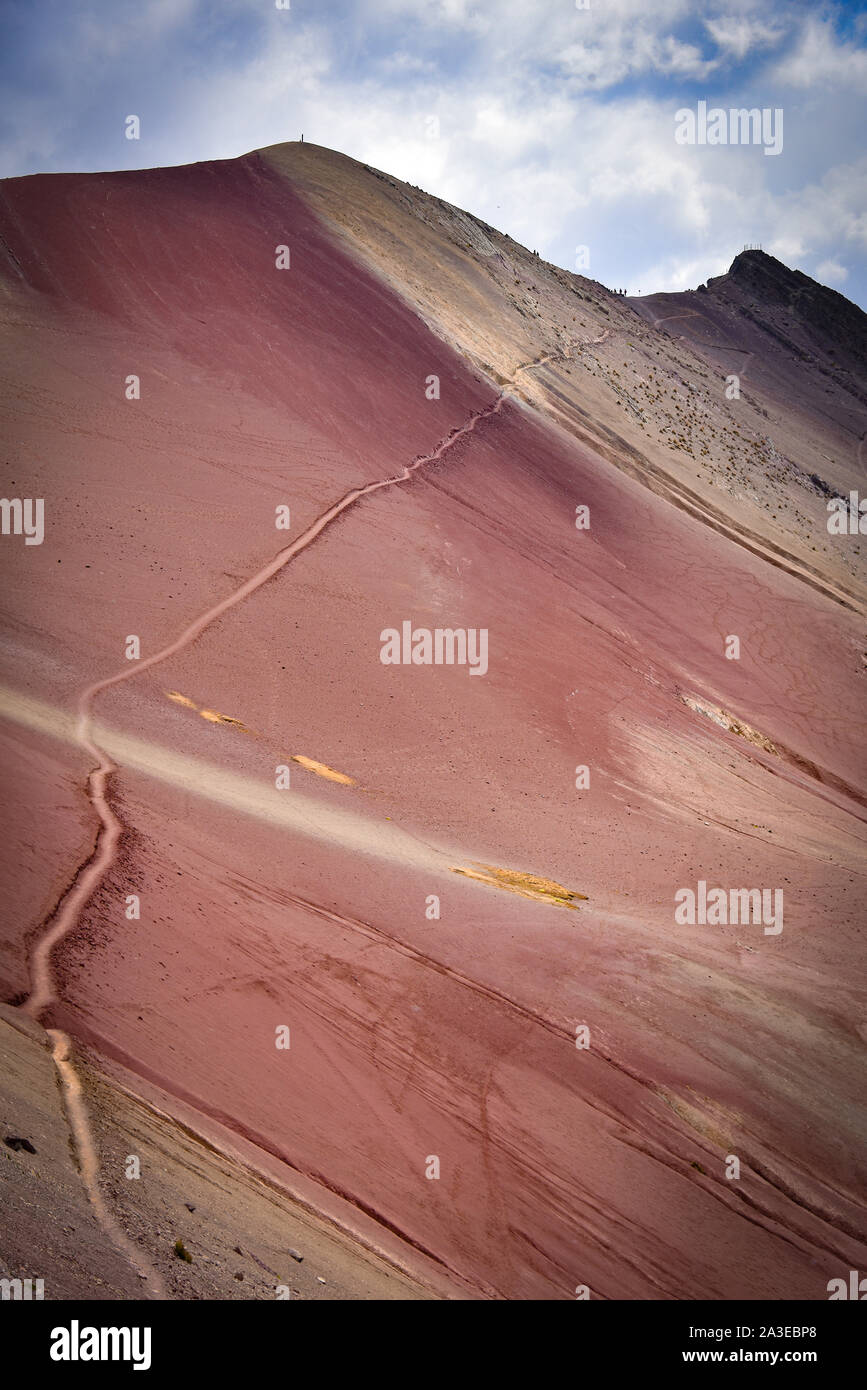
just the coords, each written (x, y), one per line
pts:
(792, 303)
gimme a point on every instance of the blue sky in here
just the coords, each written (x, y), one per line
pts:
(552, 122)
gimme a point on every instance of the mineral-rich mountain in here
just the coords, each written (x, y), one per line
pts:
(392, 952)
(803, 355)
(816, 324)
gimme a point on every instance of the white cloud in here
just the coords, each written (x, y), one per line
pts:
(532, 138)
(738, 35)
(831, 273)
(674, 273)
(145, 22)
(820, 59)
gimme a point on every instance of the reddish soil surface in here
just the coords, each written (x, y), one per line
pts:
(412, 1037)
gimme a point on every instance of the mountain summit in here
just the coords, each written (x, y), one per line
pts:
(808, 317)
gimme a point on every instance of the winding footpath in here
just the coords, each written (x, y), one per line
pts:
(90, 875)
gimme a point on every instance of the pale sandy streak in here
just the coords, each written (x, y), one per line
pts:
(289, 810)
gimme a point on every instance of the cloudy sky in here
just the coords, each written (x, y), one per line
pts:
(554, 121)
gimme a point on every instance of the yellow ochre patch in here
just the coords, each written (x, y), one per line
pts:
(213, 716)
(322, 770)
(181, 699)
(526, 885)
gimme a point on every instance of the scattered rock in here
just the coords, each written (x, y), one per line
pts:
(296, 1255)
(12, 1141)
